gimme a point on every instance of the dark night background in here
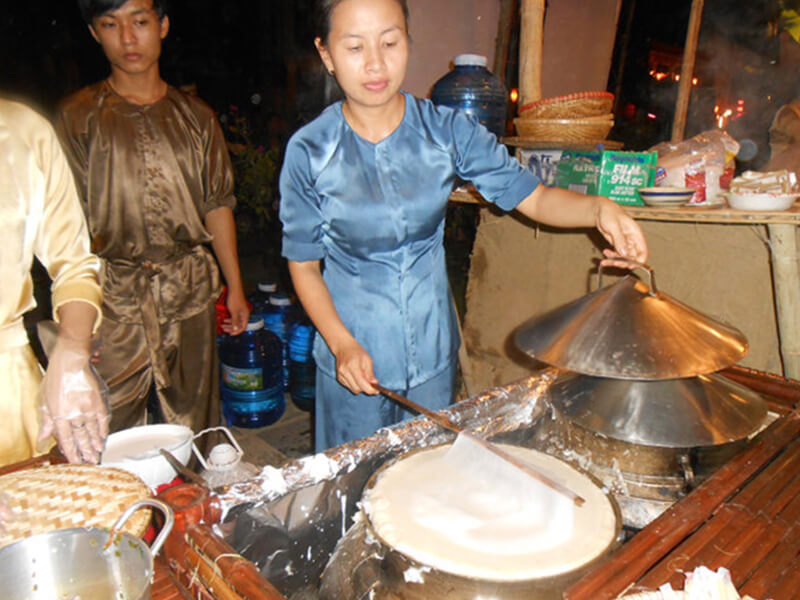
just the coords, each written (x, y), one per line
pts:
(254, 62)
(258, 55)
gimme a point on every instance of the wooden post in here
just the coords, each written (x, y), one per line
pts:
(786, 282)
(687, 71)
(503, 40)
(530, 50)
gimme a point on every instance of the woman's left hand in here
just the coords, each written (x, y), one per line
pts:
(622, 232)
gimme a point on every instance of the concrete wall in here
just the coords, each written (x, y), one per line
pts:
(576, 55)
(578, 43)
(442, 29)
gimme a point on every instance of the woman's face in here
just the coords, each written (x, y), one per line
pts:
(367, 50)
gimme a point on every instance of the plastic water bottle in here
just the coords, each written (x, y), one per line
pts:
(471, 87)
(276, 319)
(260, 298)
(251, 376)
(302, 367)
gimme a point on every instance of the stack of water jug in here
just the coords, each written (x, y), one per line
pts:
(272, 357)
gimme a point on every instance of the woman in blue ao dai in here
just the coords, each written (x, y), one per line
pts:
(364, 190)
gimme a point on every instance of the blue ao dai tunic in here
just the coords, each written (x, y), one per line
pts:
(374, 213)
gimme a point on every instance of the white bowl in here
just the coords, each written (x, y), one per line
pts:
(666, 196)
(762, 201)
(136, 450)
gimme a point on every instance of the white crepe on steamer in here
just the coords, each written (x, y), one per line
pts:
(464, 510)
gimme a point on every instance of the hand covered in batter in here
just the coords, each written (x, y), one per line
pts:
(74, 403)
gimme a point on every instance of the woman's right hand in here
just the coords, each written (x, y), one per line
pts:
(354, 368)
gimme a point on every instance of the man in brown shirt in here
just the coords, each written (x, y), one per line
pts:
(156, 181)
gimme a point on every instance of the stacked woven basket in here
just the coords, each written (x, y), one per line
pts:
(578, 118)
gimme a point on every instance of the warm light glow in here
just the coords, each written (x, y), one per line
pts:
(677, 77)
(694, 80)
(514, 95)
(723, 116)
(651, 116)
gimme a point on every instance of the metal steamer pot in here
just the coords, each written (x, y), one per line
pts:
(640, 405)
(86, 563)
(657, 439)
(366, 567)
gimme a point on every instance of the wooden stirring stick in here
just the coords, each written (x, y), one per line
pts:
(443, 421)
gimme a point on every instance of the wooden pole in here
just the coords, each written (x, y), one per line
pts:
(503, 40)
(786, 281)
(530, 50)
(687, 71)
(623, 54)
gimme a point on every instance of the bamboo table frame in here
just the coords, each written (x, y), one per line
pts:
(781, 227)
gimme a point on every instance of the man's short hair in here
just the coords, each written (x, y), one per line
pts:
(91, 9)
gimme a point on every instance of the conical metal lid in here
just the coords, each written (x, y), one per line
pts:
(629, 330)
(677, 413)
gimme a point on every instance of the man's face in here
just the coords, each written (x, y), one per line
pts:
(131, 36)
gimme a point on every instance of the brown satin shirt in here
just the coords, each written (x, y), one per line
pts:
(147, 176)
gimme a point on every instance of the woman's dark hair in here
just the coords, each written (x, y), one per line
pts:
(91, 9)
(324, 9)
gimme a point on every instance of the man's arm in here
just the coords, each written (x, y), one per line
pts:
(221, 226)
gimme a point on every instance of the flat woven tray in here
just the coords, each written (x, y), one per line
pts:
(565, 130)
(65, 496)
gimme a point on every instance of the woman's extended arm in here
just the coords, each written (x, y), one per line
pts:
(353, 364)
(565, 208)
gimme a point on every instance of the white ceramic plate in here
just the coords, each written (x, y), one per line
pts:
(665, 196)
(762, 201)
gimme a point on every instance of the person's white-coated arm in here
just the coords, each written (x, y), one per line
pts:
(74, 400)
(353, 364)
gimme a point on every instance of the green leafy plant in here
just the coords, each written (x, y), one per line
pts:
(256, 171)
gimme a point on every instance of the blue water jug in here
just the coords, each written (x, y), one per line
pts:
(276, 319)
(302, 367)
(251, 376)
(471, 87)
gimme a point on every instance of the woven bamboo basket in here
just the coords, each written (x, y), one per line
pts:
(570, 106)
(66, 496)
(565, 130)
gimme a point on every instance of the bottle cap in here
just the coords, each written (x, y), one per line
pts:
(254, 323)
(267, 286)
(280, 300)
(471, 60)
(223, 457)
